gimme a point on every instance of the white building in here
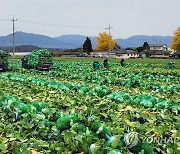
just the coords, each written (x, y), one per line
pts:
(128, 54)
(158, 47)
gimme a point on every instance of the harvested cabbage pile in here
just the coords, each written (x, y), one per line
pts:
(3, 56)
(39, 56)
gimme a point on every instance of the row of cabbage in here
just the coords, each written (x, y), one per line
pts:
(37, 126)
(38, 108)
(151, 72)
(81, 70)
(169, 87)
(101, 91)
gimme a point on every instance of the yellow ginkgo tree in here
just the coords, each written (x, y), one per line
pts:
(104, 41)
(175, 44)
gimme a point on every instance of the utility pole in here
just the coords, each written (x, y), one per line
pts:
(109, 41)
(13, 44)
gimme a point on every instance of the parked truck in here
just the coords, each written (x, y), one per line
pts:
(40, 59)
(3, 60)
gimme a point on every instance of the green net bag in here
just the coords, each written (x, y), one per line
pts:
(3, 56)
(39, 56)
(64, 122)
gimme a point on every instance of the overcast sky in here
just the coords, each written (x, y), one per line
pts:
(89, 17)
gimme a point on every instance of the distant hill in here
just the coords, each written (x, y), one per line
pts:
(134, 41)
(76, 41)
(22, 38)
(138, 40)
(22, 48)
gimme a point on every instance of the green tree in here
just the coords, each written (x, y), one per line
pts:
(87, 46)
(140, 49)
(146, 46)
(133, 49)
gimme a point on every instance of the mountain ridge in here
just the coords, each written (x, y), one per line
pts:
(76, 41)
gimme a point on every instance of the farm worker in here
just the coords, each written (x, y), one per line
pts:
(105, 63)
(171, 65)
(96, 65)
(122, 62)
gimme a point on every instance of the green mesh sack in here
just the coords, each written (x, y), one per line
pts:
(40, 105)
(64, 122)
(111, 95)
(100, 129)
(7, 102)
(3, 56)
(102, 90)
(146, 103)
(82, 127)
(142, 147)
(39, 56)
(162, 105)
(25, 108)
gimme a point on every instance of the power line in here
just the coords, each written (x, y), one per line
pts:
(56, 25)
(5, 19)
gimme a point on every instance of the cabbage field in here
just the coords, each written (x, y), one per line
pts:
(74, 109)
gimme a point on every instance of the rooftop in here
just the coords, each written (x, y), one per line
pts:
(157, 45)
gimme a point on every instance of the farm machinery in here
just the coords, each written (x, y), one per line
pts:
(40, 59)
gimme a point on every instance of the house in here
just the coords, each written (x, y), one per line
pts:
(127, 54)
(132, 54)
(159, 51)
(159, 54)
(176, 54)
(158, 47)
(116, 54)
(98, 53)
(102, 53)
(121, 53)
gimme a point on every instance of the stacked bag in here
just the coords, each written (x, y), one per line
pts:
(39, 56)
(3, 57)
